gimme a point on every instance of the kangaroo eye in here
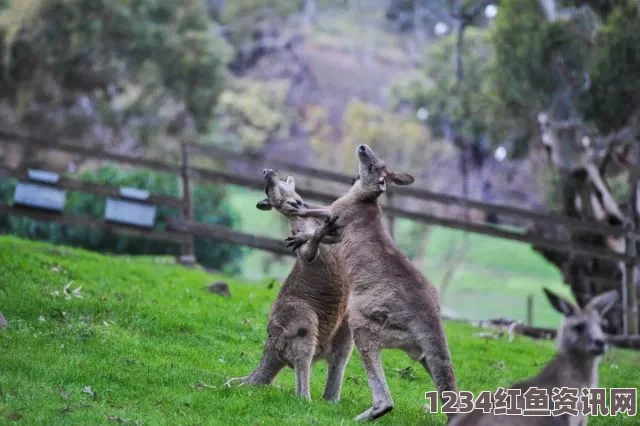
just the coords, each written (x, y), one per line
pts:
(579, 328)
(298, 202)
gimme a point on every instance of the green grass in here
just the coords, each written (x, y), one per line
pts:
(494, 279)
(155, 348)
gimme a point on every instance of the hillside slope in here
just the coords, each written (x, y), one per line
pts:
(145, 344)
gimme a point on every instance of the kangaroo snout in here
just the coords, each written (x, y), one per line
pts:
(268, 172)
(362, 148)
(598, 346)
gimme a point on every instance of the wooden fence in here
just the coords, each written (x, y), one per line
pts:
(182, 229)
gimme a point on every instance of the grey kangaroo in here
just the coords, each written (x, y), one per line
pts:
(391, 304)
(308, 320)
(580, 343)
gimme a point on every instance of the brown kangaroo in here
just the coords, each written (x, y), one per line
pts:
(308, 320)
(391, 304)
(580, 343)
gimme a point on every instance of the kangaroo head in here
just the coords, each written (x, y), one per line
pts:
(581, 330)
(281, 194)
(374, 174)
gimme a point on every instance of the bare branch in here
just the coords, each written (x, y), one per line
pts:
(608, 202)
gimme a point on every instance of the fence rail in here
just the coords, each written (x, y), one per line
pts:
(86, 222)
(182, 230)
(94, 188)
(185, 171)
(260, 160)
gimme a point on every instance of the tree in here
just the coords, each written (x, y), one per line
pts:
(250, 113)
(432, 89)
(401, 140)
(573, 71)
(124, 73)
(256, 28)
(563, 73)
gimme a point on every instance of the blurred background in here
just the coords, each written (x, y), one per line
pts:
(531, 104)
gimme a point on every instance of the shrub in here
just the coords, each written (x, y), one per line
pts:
(209, 207)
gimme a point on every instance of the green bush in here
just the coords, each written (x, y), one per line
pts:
(209, 207)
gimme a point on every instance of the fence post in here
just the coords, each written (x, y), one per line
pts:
(630, 298)
(530, 310)
(187, 253)
(390, 218)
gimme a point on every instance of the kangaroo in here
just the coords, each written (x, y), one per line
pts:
(391, 304)
(308, 320)
(580, 344)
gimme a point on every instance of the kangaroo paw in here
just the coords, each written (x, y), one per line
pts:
(293, 243)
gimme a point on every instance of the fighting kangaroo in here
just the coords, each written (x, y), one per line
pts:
(308, 319)
(580, 343)
(391, 304)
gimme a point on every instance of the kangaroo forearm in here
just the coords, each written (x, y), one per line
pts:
(316, 206)
(330, 239)
(320, 213)
(310, 250)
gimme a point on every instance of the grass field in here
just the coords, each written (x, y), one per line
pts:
(145, 344)
(494, 279)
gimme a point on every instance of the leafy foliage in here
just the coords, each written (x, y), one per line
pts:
(519, 70)
(525, 64)
(249, 23)
(535, 61)
(209, 207)
(402, 140)
(242, 9)
(135, 64)
(406, 15)
(593, 64)
(251, 112)
(434, 87)
(614, 96)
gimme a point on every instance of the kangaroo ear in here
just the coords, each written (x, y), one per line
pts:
(560, 304)
(603, 302)
(264, 204)
(291, 183)
(402, 178)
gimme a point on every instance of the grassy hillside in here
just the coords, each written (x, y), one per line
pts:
(145, 344)
(494, 279)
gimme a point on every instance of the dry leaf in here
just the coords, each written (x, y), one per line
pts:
(73, 293)
(63, 394)
(3, 321)
(487, 335)
(90, 391)
(14, 416)
(201, 386)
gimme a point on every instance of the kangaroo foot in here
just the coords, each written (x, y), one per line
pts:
(239, 381)
(374, 412)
